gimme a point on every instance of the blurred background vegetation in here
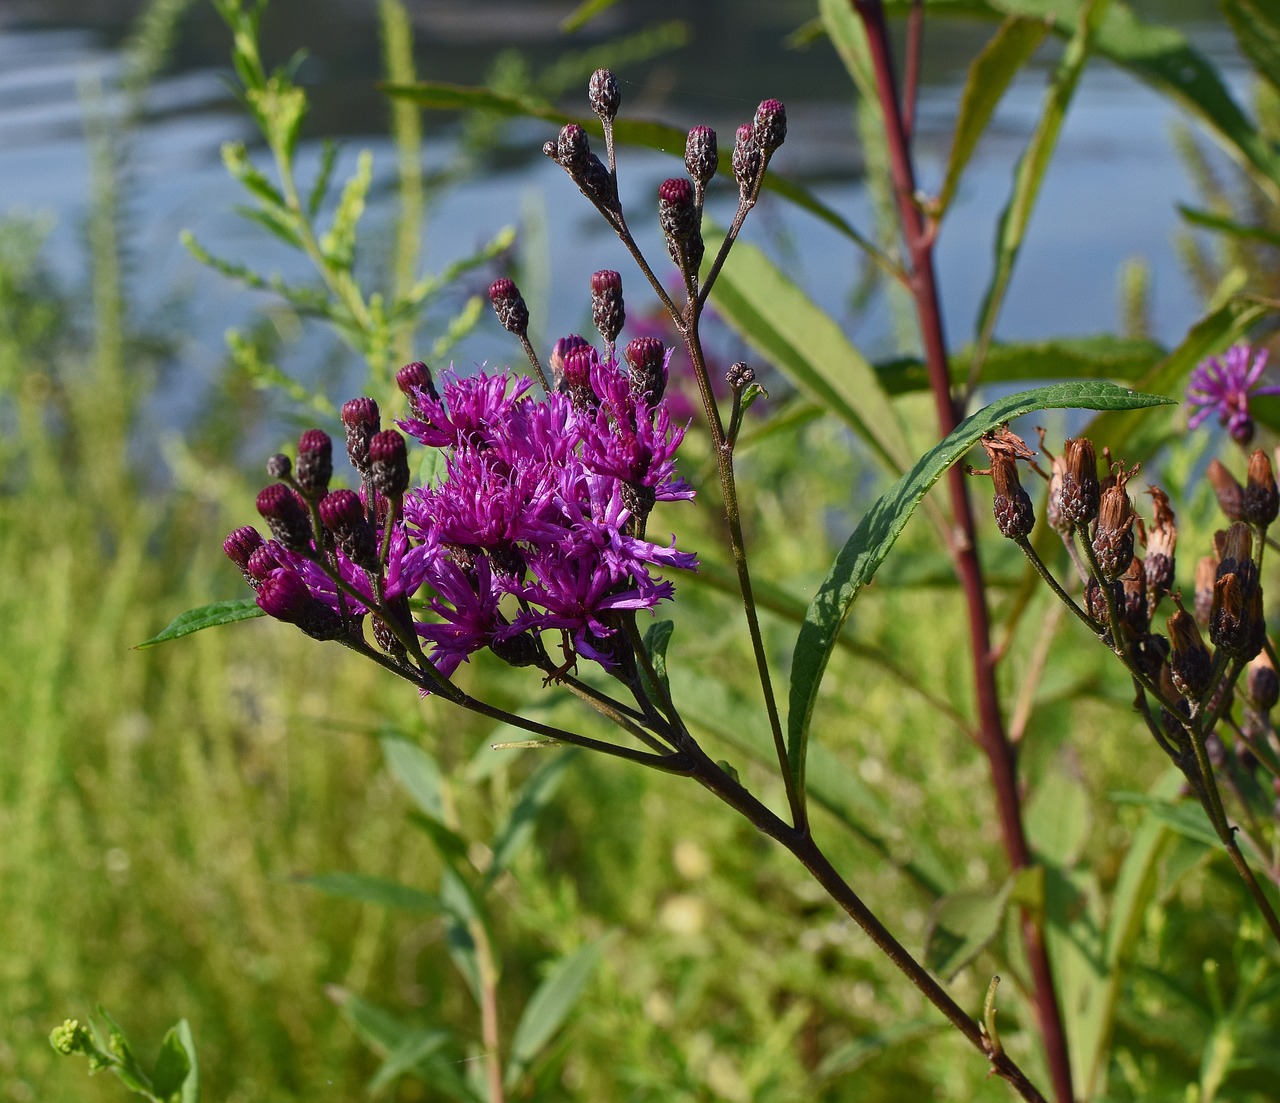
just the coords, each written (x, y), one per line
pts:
(157, 807)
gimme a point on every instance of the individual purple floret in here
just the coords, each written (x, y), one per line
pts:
(1223, 386)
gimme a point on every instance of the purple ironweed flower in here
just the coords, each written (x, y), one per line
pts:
(536, 524)
(1223, 386)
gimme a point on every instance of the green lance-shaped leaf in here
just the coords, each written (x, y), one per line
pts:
(1009, 49)
(1257, 28)
(656, 641)
(548, 1008)
(1209, 221)
(534, 797)
(417, 772)
(1035, 163)
(207, 616)
(376, 890)
(782, 323)
(883, 523)
(961, 926)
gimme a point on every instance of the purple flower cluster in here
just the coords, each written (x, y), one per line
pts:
(536, 524)
(1224, 387)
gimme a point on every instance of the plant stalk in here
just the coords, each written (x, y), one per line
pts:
(995, 743)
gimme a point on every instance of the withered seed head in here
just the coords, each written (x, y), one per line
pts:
(1135, 612)
(1206, 575)
(1161, 540)
(1236, 555)
(1189, 661)
(1081, 493)
(1113, 540)
(1262, 684)
(1235, 620)
(1227, 490)
(1261, 501)
(1015, 516)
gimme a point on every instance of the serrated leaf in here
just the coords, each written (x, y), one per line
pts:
(775, 317)
(961, 926)
(880, 528)
(207, 616)
(417, 772)
(548, 1008)
(375, 890)
(172, 1068)
(990, 74)
(535, 795)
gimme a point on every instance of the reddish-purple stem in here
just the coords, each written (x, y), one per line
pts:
(995, 743)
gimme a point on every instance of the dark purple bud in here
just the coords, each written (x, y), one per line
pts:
(285, 596)
(315, 462)
(343, 515)
(604, 95)
(239, 546)
(518, 650)
(700, 154)
(746, 160)
(573, 149)
(388, 464)
(361, 419)
(577, 366)
(509, 305)
(416, 377)
(770, 125)
(286, 514)
(607, 310)
(279, 466)
(740, 376)
(647, 360)
(676, 212)
(561, 349)
(261, 563)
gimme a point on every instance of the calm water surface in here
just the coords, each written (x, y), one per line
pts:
(1110, 194)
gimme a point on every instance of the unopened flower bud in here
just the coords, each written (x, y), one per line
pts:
(740, 376)
(261, 563)
(518, 650)
(561, 349)
(1081, 492)
(1014, 515)
(414, 380)
(287, 516)
(647, 360)
(607, 309)
(597, 184)
(509, 305)
(361, 420)
(746, 160)
(678, 216)
(701, 155)
(239, 546)
(1095, 601)
(342, 513)
(284, 595)
(770, 125)
(1113, 540)
(573, 149)
(1227, 490)
(315, 462)
(1189, 660)
(604, 95)
(1261, 500)
(280, 466)
(1262, 683)
(577, 364)
(388, 464)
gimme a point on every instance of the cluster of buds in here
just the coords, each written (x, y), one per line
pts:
(680, 199)
(1126, 566)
